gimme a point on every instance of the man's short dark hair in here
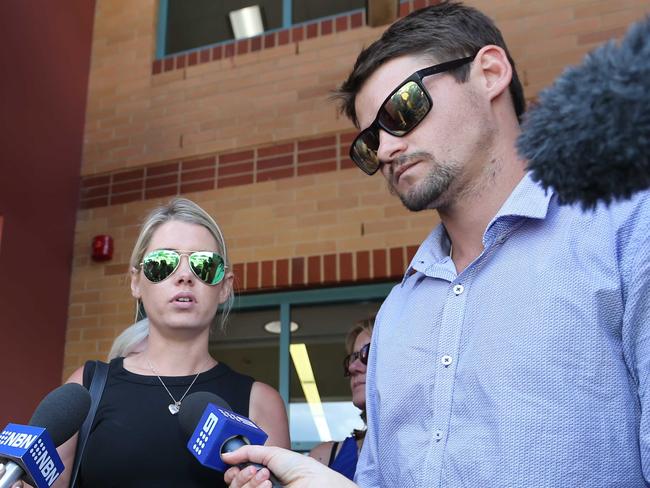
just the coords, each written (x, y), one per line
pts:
(446, 31)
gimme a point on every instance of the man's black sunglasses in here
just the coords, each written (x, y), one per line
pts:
(401, 112)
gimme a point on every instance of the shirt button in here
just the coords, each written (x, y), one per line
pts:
(446, 360)
(437, 435)
(458, 289)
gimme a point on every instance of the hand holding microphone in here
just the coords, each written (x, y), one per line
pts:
(30, 448)
(294, 470)
(214, 429)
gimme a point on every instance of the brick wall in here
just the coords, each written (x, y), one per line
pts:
(318, 229)
(251, 137)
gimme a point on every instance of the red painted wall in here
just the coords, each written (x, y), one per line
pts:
(45, 60)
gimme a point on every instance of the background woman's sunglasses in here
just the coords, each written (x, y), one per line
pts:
(160, 264)
(400, 113)
(361, 354)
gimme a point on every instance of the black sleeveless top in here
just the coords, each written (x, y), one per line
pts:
(135, 441)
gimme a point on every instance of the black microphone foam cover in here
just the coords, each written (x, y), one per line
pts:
(62, 411)
(193, 407)
(589, 135)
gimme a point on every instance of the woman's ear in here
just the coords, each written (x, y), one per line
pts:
(495, 70)
(226, 287)
(135, 284)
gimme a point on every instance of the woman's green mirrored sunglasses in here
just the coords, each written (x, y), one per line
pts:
(160, 264)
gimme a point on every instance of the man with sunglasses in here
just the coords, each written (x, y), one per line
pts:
(516, 350)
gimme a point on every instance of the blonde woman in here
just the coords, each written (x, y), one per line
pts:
(180, 276)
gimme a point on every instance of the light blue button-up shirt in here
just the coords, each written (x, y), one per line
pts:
(529, 369)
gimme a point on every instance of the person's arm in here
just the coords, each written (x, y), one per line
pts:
(68, 448)
(636, 335)
(266, 409)
(322, 452)
(293, 470)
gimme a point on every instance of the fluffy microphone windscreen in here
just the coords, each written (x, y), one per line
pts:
(589, 135)
(62, 412)
(193, 407)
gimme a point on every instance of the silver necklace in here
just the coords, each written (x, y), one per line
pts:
(176, 405)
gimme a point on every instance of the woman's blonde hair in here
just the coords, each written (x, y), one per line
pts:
(365, 325)
(183, 210)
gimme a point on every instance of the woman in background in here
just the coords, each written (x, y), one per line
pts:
(342, 456)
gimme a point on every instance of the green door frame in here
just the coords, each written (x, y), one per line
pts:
(284, 301)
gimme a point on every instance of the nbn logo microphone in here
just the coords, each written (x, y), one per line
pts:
(16, 439)
(218, 425)
(33, 450)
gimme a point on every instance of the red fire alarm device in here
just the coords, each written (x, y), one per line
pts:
(102, 248)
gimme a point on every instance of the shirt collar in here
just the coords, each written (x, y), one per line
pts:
(527, 200)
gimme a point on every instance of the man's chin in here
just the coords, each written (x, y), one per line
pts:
(418, 202)
(414, 199)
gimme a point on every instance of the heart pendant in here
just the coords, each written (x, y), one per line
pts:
(174, 408)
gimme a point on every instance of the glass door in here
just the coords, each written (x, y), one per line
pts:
(295, 342)
(320, 403)
(247, 348)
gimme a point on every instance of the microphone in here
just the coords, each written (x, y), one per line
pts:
(213, 429)
(30, 448)
(589, 136)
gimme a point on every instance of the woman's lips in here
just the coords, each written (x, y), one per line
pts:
(184, 300)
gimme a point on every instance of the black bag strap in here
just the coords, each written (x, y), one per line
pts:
(333, 452)
(96, 389)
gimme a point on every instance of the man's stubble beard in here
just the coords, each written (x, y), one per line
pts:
(432, 191)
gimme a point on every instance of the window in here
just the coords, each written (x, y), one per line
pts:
(198, 23)
(247, 348)
(323, 317)
(304, 11)
(185, 25)
(323, 410)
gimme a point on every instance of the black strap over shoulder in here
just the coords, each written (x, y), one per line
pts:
(333, 452)
(96, 389)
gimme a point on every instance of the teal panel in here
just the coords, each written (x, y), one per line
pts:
(321, 295)
(161, 31)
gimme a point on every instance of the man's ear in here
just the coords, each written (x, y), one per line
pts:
(135, 284)
(494, 69)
